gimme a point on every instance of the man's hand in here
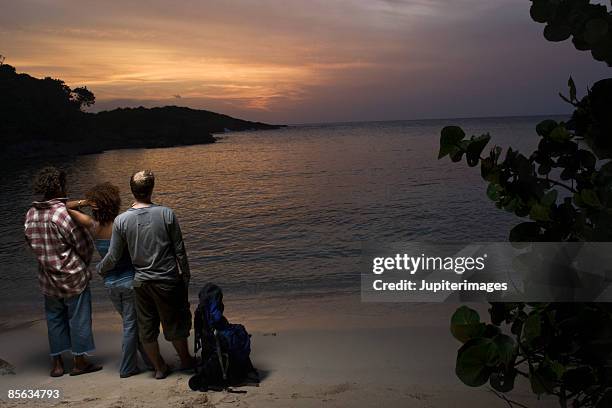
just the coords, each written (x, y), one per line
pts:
(98, 271)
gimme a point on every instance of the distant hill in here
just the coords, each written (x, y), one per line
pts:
(44, 117)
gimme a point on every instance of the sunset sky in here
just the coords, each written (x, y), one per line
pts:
(300, 61)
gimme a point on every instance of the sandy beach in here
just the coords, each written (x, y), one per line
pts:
(335, 352)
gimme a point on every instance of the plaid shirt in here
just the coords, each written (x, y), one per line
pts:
(63, 248)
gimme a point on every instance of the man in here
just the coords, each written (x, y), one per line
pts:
(63, 250)
(152, 236)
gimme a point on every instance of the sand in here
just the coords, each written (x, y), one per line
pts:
(311, 352)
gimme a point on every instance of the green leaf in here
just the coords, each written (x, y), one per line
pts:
(475, 148)
(578, 200)
(475, 361)
(450, 137)
(587, 159)
(525, 232)
(560, 134)
(545, 127)
(549, 198)
(512, 204)
(542, 379)
(506, 347)
(572, 89)
(558, 368)
(590, 198)
(539, 212)
(493, 191)
(456, 155)
(466, 324)
(595, 30)
(503, 381)
(532, 327)
(557, 32)
(540, 11)
(489, 170)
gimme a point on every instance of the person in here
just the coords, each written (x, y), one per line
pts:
(105, 202)
(152, 236)
(63, 250)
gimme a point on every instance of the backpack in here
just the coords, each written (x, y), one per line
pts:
(225, 347)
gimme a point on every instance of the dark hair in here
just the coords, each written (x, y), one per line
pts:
(50, 182)
(107, 201)
(142, 183)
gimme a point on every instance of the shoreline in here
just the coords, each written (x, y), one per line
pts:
(335, 351)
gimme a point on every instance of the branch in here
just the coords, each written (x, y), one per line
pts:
(521, 361)
(557, 183)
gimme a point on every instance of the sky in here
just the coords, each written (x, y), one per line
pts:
(290, 61)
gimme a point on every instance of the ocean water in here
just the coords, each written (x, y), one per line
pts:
(285, 212)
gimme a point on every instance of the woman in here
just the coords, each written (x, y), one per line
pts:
(105, 203)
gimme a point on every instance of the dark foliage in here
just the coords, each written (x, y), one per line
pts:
(564, 187)
(44, 117)
(589, 25)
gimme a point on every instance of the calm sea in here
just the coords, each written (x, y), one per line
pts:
(285, 212)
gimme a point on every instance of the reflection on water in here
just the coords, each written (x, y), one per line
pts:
(286, 211)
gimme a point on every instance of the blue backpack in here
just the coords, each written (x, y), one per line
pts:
(225, 348)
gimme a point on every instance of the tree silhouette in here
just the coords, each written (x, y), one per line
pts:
(83, 97)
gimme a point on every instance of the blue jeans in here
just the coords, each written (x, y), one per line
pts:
(69, 324)
(124, 303)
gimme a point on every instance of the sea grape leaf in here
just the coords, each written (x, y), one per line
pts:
(493, 191)
(595, 30)
(475, 148)
(557, 32)
(539, 212)
(545, 127)
(532, 327)
(450, 137)
(542, 379)
(549, 198)
(560, 134)
(503, 381)
(506, 347)
(525, 232)
(476, 360)
(540, 11)
(589, 197)
(466, 324)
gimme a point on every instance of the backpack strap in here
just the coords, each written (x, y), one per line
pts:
(223, 365)
(198, 326)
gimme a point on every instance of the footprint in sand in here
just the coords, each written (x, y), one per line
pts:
(337, 389)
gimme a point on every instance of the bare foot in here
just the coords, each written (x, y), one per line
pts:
(163, 373)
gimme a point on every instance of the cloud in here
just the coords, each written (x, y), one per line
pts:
(292, 61)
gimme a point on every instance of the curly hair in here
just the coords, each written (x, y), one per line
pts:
(107, 201)
(50, 182)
